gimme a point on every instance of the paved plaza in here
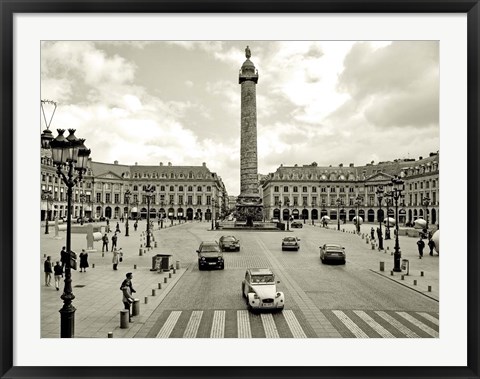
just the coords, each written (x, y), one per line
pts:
(318, 298)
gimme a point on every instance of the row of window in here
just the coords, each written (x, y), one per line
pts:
(116, 186)
(153, 199)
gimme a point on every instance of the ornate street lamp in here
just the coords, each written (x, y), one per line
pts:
(127, 200)
(171, 217)
(47, 196)
(287, 204)
(148, 194)
(396, 194)
(358, 202)
(280, 218)
(304, 207)
(388, 202)
(70, 154)
(339, 202)
(213, 211)
(426, 203)
(311, 214)
(83, 197)
(379, 192)
(161, 215)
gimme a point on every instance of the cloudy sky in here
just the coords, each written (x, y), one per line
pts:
(329, 102)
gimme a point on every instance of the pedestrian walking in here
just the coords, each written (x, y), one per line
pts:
(58, 272)
(431, 245)
(135, 225)
(372, 233)
(127, 290)
(117, 228)
(421, 246)
(105, 242)
(63, 257)
(114, 241)
(117, 257)
(83, 261)
(47, 268)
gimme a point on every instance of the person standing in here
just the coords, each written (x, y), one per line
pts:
(63, 257)
(83, 261)
(117, 257)
(117, 228)
(105, 242)
(47, 268)
(58, 272)
(372, 233)
(431, 245)
(421, 246)
(127, 290)
(114, 241)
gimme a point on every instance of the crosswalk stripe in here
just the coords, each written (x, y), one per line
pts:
(169, 325)
(359, 333)
(397, 324)
(269, 326)
(218, 325)
(193, 324)
(374, 325)
(243, 326)
(419, 324)
(429, 317)
(293, 324)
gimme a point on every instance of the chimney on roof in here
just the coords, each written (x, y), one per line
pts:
(136, 163)
(204, 164)
(340, 165)
(169, 163)
(115, 162)
(161, 163)
(420, 158)
(351, 165)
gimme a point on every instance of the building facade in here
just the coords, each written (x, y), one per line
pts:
(310, 192)
(179, 192)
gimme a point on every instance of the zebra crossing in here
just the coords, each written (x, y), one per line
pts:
(292, 324)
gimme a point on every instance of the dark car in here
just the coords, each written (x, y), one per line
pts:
(332, 252)
(210, 255)
(229, 243)
(296, 224)
(290, 243)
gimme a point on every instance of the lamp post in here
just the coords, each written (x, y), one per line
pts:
(313, 222)
(280, 218)
(388, 202)
(127, 200)
(358, 202)
(71, 154)
(426, 203)
(171, 217)
(213, 211)
(304, 207)
(148, 194)
(379, 192)
(47, 196)
(82, 200)
(396, 194)
(162, 214)
(287, 204)
(339, 202)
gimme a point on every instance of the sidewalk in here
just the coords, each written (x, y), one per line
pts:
(98, 298)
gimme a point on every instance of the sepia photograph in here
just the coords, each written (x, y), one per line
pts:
(239, 189)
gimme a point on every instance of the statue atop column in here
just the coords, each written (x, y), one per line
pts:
(248, 53)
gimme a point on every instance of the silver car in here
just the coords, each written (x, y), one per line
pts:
(332, 252)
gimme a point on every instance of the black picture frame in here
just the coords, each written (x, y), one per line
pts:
(9, 8)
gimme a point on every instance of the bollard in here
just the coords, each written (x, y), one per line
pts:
(141, 246)
(177, 265)
(373, 246)
(415, 282)
(144, 251)
(391, 273)
(403, 277)
(110, 335)
(93, 265)
(44, 255)
(363, 236)
(174, 271)
(382, 266)
(366, 240)
(146, 300)
(103, 254)
(165, 280)
(136, 307)
(154, 293)
(134, 267)
(124, 319)
(421, 273)
(169, 274)
(429, 288)
(159, 286)
(140, 253)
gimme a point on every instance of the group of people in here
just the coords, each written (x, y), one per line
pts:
(421, 246)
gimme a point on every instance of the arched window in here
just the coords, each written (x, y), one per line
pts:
(162, 188)
(199, 188)
(190, 175)
(209, 188)
(135, 187)
(190, 188)
(180, 188)
(172, 189)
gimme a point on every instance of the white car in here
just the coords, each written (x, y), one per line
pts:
(259, 288)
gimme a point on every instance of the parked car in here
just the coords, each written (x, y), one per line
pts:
(210, 255)
(229, 243)
(259, 288)
(289, 243)
(332, 252)
(296, 224)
